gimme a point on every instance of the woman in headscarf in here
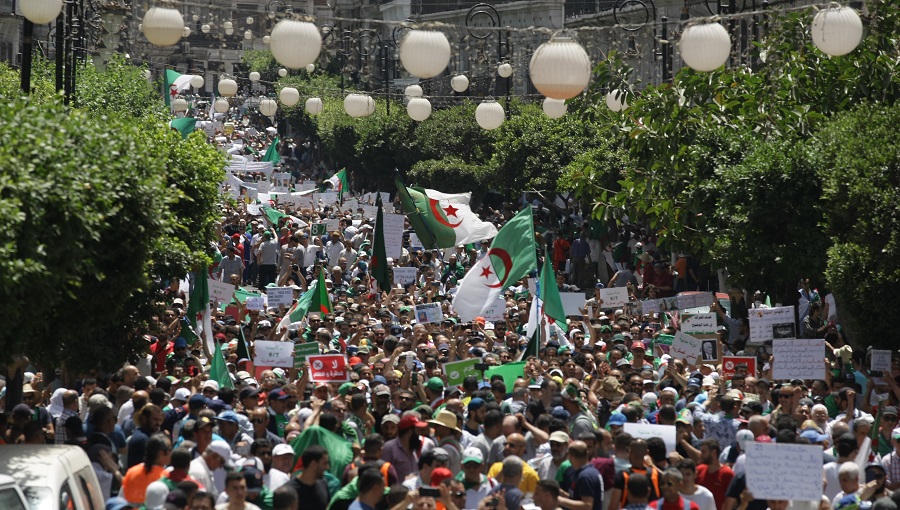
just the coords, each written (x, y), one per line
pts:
(56, 406)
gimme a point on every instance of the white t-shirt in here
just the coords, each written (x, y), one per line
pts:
(702, 497)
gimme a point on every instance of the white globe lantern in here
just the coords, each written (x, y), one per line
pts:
(295, 44)
(148, 75)
(248, 35)
(358, 105)
(705, 47)
(41, 12)
(180, 104)
(163, 26)
(310, 68)
(413, 91)
(195, 17)
(249, 21)
(314, 106)
(221, 105)
(227, 25)
(205, 28)
(615, 100)
(425, 53)
(560, 68)
(504, 70)
(186, 32)
(267, 39)
(229, 31)
(490, 115)
(459, 83)
(289, 96)
(418, 109)
(282, 72)
(268, 106)
(227, 87)
(197, 82)
(554, 108)
(837, 30)
(254, 76)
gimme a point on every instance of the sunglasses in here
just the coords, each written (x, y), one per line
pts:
(258, 420)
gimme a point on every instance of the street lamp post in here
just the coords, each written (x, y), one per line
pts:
(489, 12)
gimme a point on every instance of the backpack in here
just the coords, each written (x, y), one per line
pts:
(654, 479)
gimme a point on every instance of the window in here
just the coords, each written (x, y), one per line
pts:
(10, 499)
(66, 499)
(90, 491)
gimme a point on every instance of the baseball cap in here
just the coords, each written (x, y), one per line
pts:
(221, 448)
(435, 384)
(253, 477)
(410, 421)
(249, 392)
(228, 416)
(472, 454)
(559, 437)
(617, 419)
(182, 394)
(197, 401)
(476, 403)
(813, 436)
(282, 449)
(278, 394)
(180, 342)
(382, 390)
(211, 384)
(390, 418)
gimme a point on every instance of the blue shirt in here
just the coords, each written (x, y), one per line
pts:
(588, 483)
(513, 496)
(359, 505)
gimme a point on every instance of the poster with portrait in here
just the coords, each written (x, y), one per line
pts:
(709, 351)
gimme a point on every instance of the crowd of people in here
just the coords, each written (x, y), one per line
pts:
(162, 433)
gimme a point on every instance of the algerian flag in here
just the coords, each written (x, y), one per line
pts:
(184, 125)
(198, 304)
(322, 301)
(340, 183)
(510, 258)
(315, 298)
(441, 223)
(533, 328)
(272, 155)
(456, 198)
(218, 371)
(549, 292)
(378, 264)
(175, 83)
(273, 215)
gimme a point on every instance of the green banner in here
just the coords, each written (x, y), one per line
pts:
(302, 351)
(318, 229)
(509, 371)
(457, 371)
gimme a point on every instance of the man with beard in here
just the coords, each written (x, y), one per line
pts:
(310, 484)
(402, 451)
(559, 448)
(389, 425)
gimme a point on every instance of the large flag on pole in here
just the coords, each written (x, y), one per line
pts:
(175, 83)
(340, 183)
(533, 328)
(315, 299)
(549, 292)
(510, 258)
(272, 155)
(378, 264)
(184, 125)
(218, 371)
(442, 223)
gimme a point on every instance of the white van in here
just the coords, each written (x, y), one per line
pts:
(53, 477)
(11, 497)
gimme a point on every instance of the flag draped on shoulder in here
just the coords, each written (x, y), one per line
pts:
(440, 222)
(218, 371)
(549, 292)
(272, 155)
(175, 82)
(340, 183)
(378, 264)
(510, 257)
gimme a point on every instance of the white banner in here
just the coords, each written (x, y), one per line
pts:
(273, 354)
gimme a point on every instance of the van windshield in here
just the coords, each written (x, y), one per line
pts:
(10, 499)
(38, 497)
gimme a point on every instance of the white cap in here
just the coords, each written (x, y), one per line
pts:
(649, 399)
(282, 449)
(221, 448)
(155, 496)
(211, 384)
(182, 394)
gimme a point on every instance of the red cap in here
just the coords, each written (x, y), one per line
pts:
(355, 360)
(440, 474)
(236, 237)
(410, 421)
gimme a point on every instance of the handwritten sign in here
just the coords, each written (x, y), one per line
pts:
(303, 351)
(732, 364)
(496, 311)
(799, 473)
(404, 275)
(256, 303)
(881, 360)
(328, 368)
(694, 300)
(700, 324)
(428, 313)
(646, 431)
(572, 301)
(414, 241)
(332, 225)
(328, 198)
(393, 235)
(798, 359)
(280, 296)
(220, 291)
(457, 371)
(614, 297)
(685, 347)
(273, 354)
(253, 209)
(771, 323)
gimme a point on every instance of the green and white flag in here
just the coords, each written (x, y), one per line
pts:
(510, 258)
(175, 83)
(184, 125)
(272, 155)
(340, 183)
(549, 292)
(442, 223)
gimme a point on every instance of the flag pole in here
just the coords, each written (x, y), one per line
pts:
(434, 245)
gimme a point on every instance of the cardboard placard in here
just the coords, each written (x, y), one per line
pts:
(685, 347)
(614, 297)
(771, 323)
(880, 360)
(414, 242)
(798, 359)
(710, 351)
(404, 275)
(457, 371)
(393, 235)
(799, 473)
(429, 313)
(495, 312)
(256, 303)
(646, 431)
(280, 296)
(730, 365)
(572, 302)
(220, 291)
(328, 368)
(303, 351)
(273, 354)
(700, 324)
(694, 300)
